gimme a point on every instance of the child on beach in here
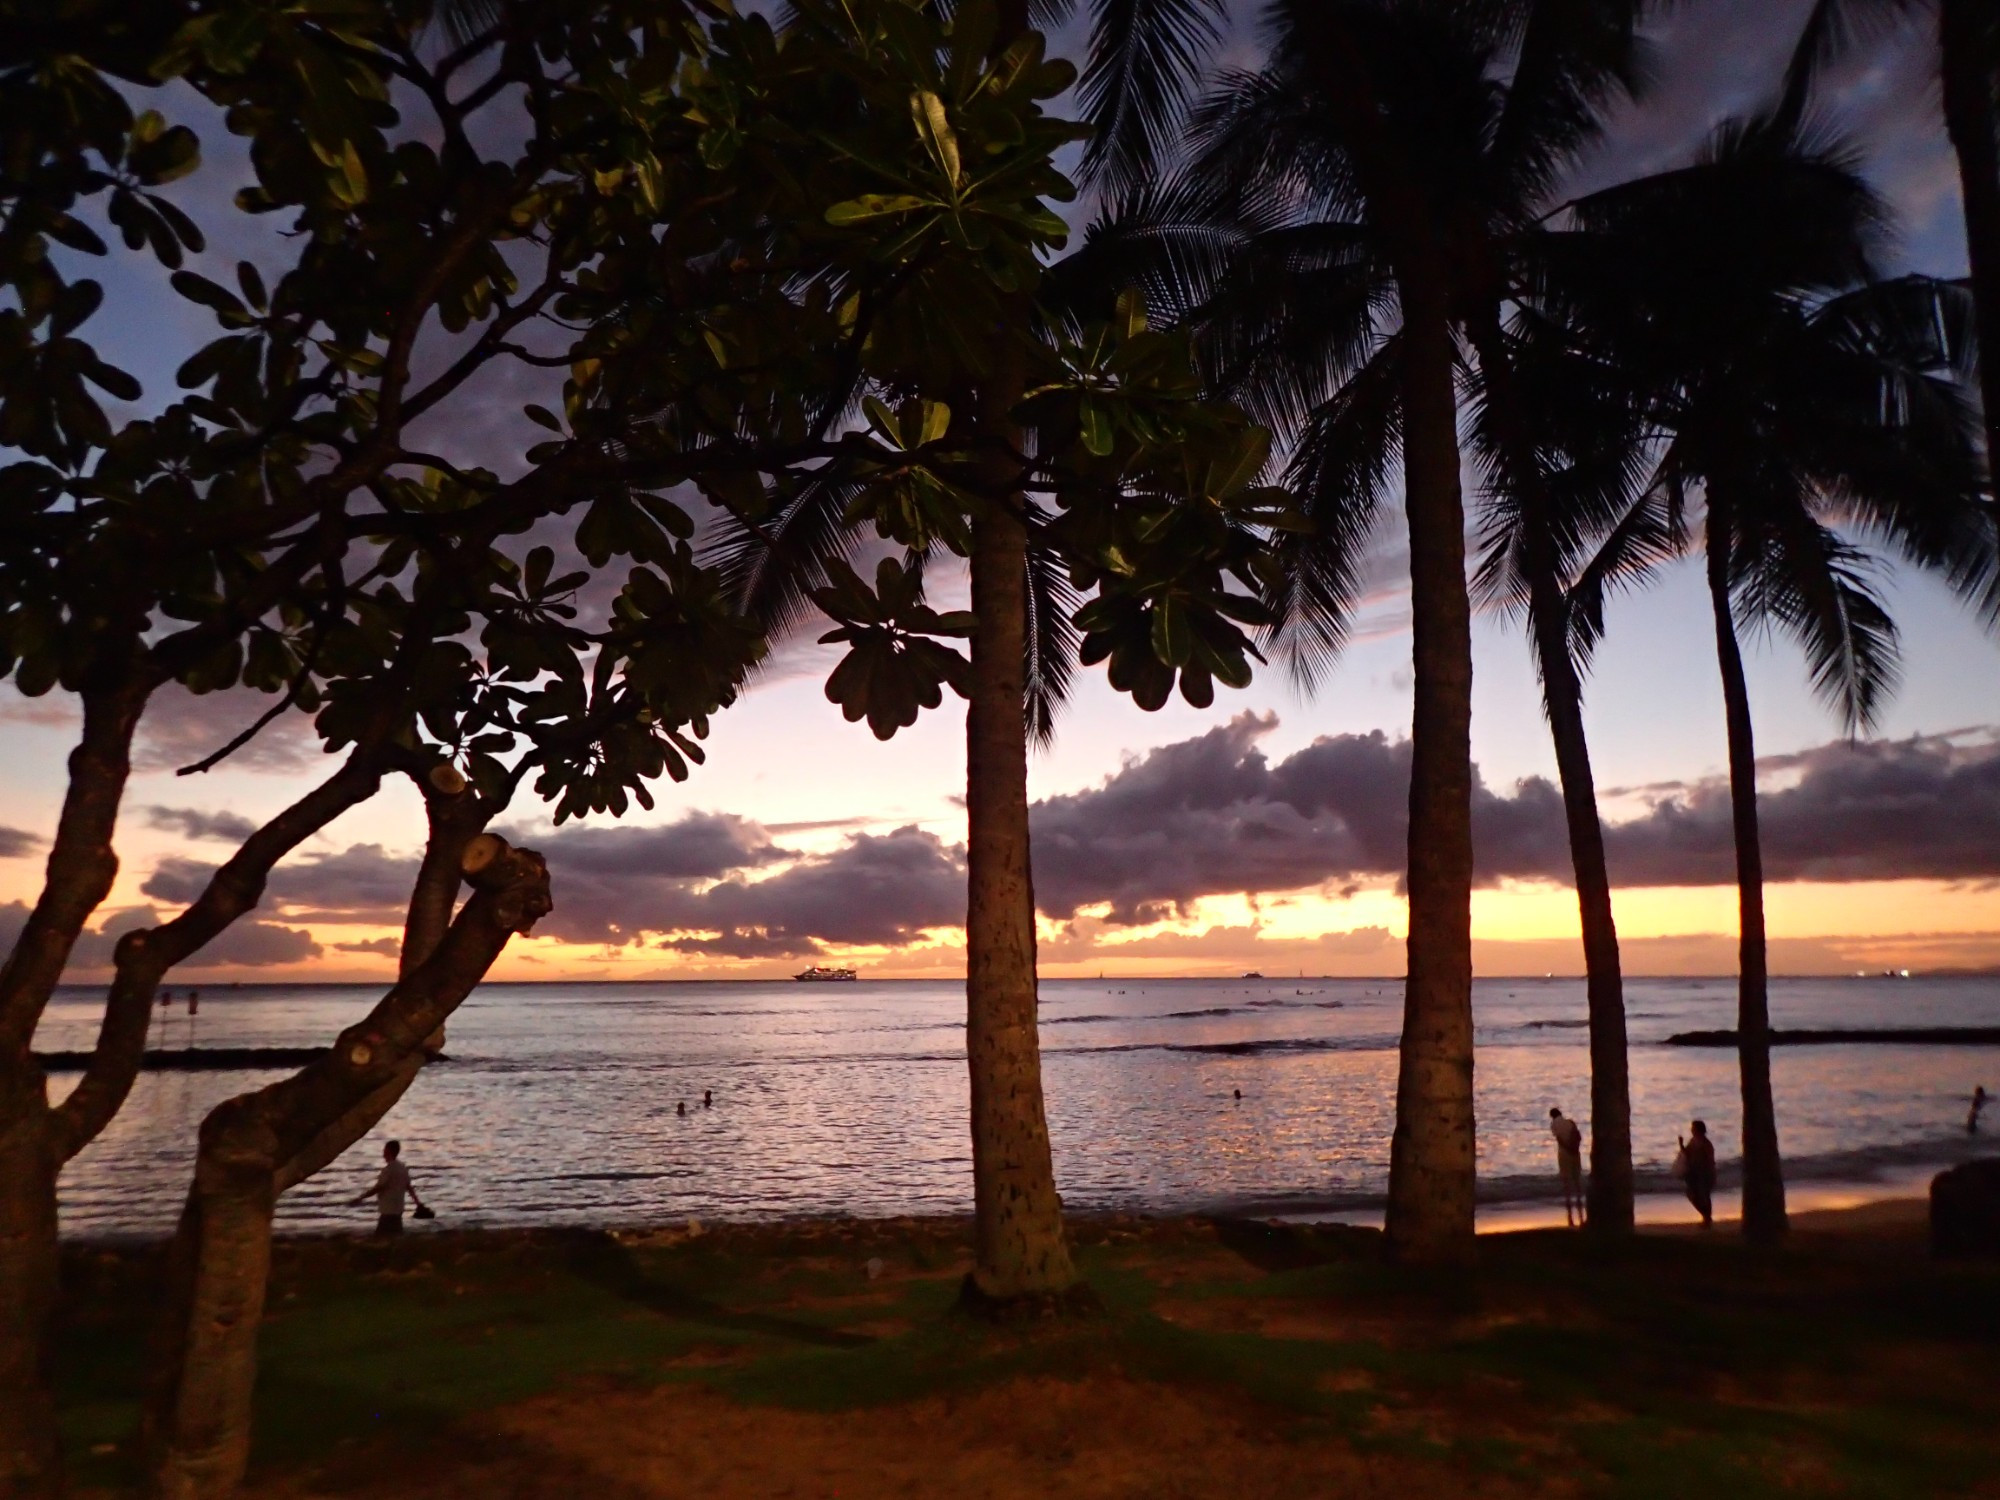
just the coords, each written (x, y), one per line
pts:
(1569, 1164)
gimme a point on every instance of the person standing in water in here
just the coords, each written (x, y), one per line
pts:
(390, 1186)
(1569, 1164)
(1698, 1172)
(1979, 1098)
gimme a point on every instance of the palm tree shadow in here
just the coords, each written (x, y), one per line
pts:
(610, 1266)
(1295, 1247)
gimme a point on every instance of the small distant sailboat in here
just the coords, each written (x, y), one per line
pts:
(818, 974)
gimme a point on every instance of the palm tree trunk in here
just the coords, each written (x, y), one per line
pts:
(1021, 1254)
(1763, 1173)
(1970, 120)
(1431, 1160)
(1609, 1200)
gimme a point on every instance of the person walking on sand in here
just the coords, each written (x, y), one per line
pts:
(390, 1186)
(1979, 1098)
(1697, 1171)
(1569, 1163)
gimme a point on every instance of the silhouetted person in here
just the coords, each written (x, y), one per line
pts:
(391, 1184)
(707, 1098)
(1698, 1158)
(1979, 1098)
(1569, 1164)
(681, 1109)
(166, 999)
(1239, 1096)
(194, 1001)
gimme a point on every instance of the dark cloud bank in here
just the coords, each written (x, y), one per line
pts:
(250, 943)
(1207, 816)
(1212, 815)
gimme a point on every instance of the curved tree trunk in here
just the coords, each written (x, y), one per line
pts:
(1431, 1160)
(197, 1420)
(1970, 119)
(1763, 1173)
(455, 819)
(81, 867)
(205, 1355)
(1609, 1203)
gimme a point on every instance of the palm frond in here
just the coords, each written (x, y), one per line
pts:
(1145, 59)
(1168, 239)
(1052, 640)
(1649, 534)
(1340, 476)
(1575, 58)
(1832, 29)
(1819, 589)
(770, 570)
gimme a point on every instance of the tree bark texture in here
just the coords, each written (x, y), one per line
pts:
(1763, 1173)
(30, 1460)
(1431, 1163)
(81, 867)
(50, 1137)
(197, 1422)
(1020, 1252)
(1609, 1199)
(1609, 1195)
(143, 958)
(456, 819)
(82, 863)
(1972, 120)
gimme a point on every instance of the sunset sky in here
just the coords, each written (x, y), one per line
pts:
(1264, 833)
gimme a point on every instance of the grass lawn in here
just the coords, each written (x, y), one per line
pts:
(1231, 1359)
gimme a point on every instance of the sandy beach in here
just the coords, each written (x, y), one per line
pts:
(1231, 1356)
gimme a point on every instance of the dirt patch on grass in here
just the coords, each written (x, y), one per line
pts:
(1109, 1436)
(1324, 1322)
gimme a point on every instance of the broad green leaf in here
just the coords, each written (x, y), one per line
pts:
(934, 125)
(874, 206)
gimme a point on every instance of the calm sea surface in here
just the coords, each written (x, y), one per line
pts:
(558, 1103)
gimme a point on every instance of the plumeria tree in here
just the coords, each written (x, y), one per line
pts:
(535, 200)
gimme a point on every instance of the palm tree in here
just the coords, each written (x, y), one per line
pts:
(1564, 517)
(1351, 213)
(1808, 402)
(1968, 54)
(1143, 55)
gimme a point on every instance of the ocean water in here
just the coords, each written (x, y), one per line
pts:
(557, 1105)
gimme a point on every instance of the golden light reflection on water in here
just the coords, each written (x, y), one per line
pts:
(560, 1105)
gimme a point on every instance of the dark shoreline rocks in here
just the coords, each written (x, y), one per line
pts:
(1965, 1210)
(199, 1059)
(1904, 1036)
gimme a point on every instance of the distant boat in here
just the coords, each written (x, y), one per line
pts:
(817, 974)
(1253, 974)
